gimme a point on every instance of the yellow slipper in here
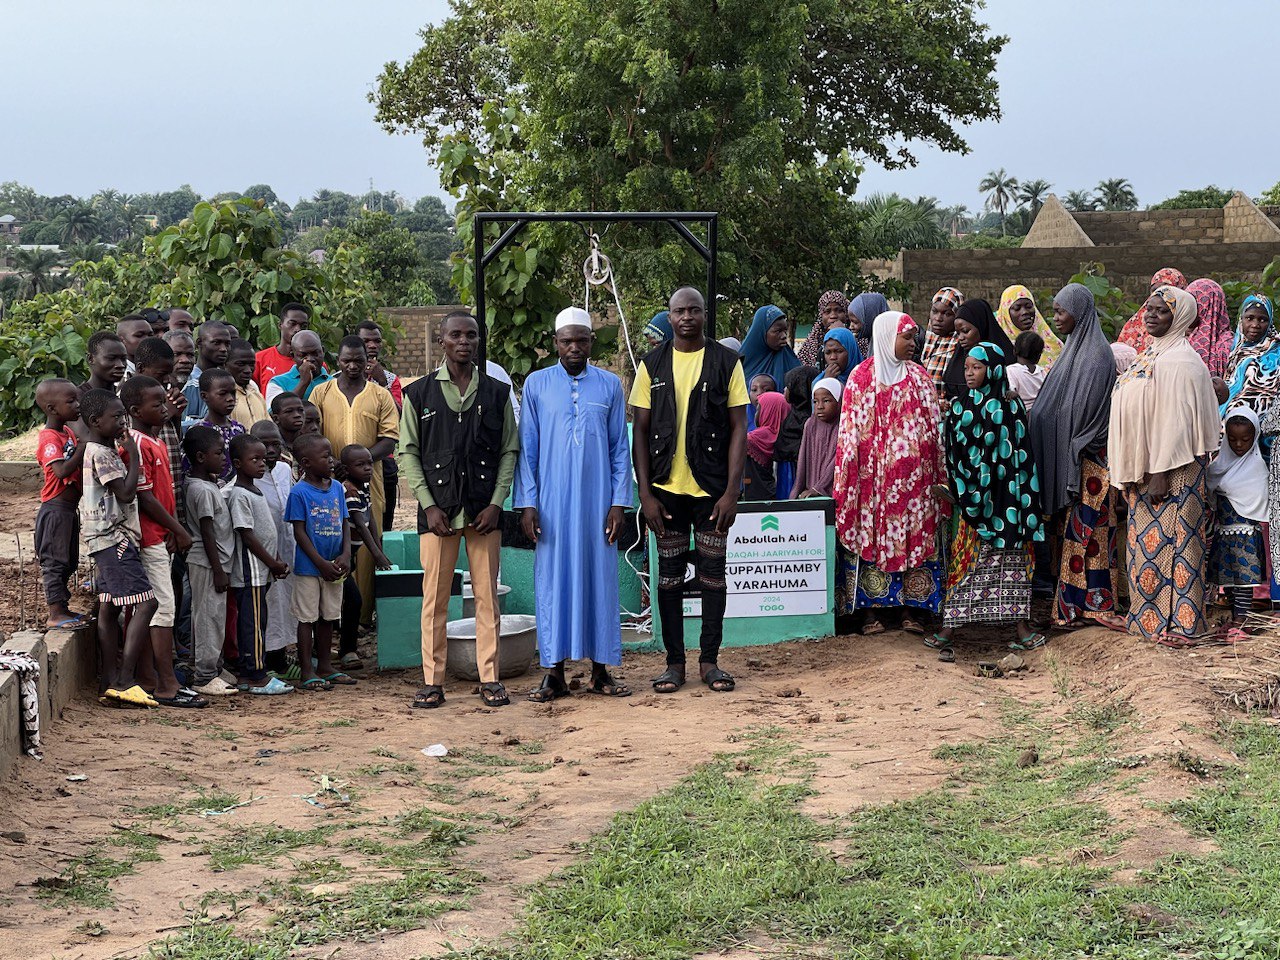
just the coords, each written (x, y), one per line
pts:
(135, 696)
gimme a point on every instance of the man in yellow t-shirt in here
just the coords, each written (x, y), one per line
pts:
(689, 447)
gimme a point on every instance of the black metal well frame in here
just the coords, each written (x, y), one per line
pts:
(518, 221)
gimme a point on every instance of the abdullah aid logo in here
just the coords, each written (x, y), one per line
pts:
(768, 522)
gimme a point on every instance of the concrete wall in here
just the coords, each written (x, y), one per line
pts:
(68, 665)
(415, 349)
(1163, 227)
(1243, 222)
(985, 273)
(1055, 226)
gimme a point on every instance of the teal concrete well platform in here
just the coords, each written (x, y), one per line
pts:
(760, 604)
(399, 595)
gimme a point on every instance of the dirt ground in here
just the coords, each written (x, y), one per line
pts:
(874, 709)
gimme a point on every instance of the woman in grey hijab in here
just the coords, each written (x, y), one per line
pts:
(1069, 441)
(864, 309)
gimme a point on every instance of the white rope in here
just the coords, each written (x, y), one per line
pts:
(597, 271)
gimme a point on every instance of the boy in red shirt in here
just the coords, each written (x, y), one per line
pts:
(147, 402)
(273, 361)
(58, 521)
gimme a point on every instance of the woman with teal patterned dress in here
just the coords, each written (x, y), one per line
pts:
(997, 504)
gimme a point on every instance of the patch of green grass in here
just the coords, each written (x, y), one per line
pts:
(1105, 717)
(385, 752)
(377, 769)
(325, 870)
(365, 910)
(531, 748)
(338, 722)
(85, 881)
(1004, 868)
(203, 800)
(204, 940)
(258, 843)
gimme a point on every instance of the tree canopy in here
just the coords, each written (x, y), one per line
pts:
(763, 112)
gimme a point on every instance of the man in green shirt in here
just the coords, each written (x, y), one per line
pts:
(458, 448)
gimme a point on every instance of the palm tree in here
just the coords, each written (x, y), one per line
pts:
(1033, 192)
(957, 219)
(78, 224)
(1078, 200)
(1001, 189)
(1117, 194)
(76, 252)
(891, 223)
(35, 268)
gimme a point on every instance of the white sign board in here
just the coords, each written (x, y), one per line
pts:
(776, 566)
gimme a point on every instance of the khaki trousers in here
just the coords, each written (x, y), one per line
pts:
(439, 556)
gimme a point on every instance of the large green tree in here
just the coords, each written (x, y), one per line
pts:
(1205, 197)
(763, 112)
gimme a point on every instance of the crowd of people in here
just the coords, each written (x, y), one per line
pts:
(232, 499)
(985, 454)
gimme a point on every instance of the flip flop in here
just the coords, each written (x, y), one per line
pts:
(910, 625)
(1033, 642)
(134, 696)
(272, 688)
(340, 679)
(315, 684)
(937, 642)
(71, 623)
(184, 698)
(351, 661)
(873, 628)
(1172, 642)
(494, 695)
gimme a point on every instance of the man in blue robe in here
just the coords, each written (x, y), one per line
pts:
(573, 482)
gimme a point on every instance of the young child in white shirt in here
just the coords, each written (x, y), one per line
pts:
(1025, 376)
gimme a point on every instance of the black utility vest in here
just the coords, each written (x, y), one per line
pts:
(460, 451)
(707, 431)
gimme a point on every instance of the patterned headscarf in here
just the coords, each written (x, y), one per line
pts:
(937, 348)
(977, 314)
(1212, 336)
(1253, 370)
(810, 352)
(989, 456)
(1011, 295)
(1134, 332)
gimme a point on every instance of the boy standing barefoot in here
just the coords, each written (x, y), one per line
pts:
(254, 564)
(57, 521)
(109, 519)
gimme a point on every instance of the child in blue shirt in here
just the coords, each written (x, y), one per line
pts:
(317, 509)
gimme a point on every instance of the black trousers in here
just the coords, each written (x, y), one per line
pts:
(690, 514)
(57, 547)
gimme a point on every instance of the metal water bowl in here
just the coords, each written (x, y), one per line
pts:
(517, 646)
(469, 600)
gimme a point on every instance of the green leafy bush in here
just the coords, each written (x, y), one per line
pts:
(225, 262)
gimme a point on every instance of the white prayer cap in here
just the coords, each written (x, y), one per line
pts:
(733, 343)
(831, 385)
(572, 317)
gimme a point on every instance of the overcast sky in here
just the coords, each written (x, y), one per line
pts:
(144, 95)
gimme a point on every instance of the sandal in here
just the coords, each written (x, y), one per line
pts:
(1033, 642)
(606, 686)
(872, 628)
(315, 684)
(291, 674)
(670, 681)
(184, 698)
(937, 642)
(351, 661)
(910, 625)
(272, 688)
(134, 696)
(428, 698)
(494, 694)
(1232, 634)
(340, 679)
(71, 623)
(552, 689)
(946, 655)
(719, 680)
